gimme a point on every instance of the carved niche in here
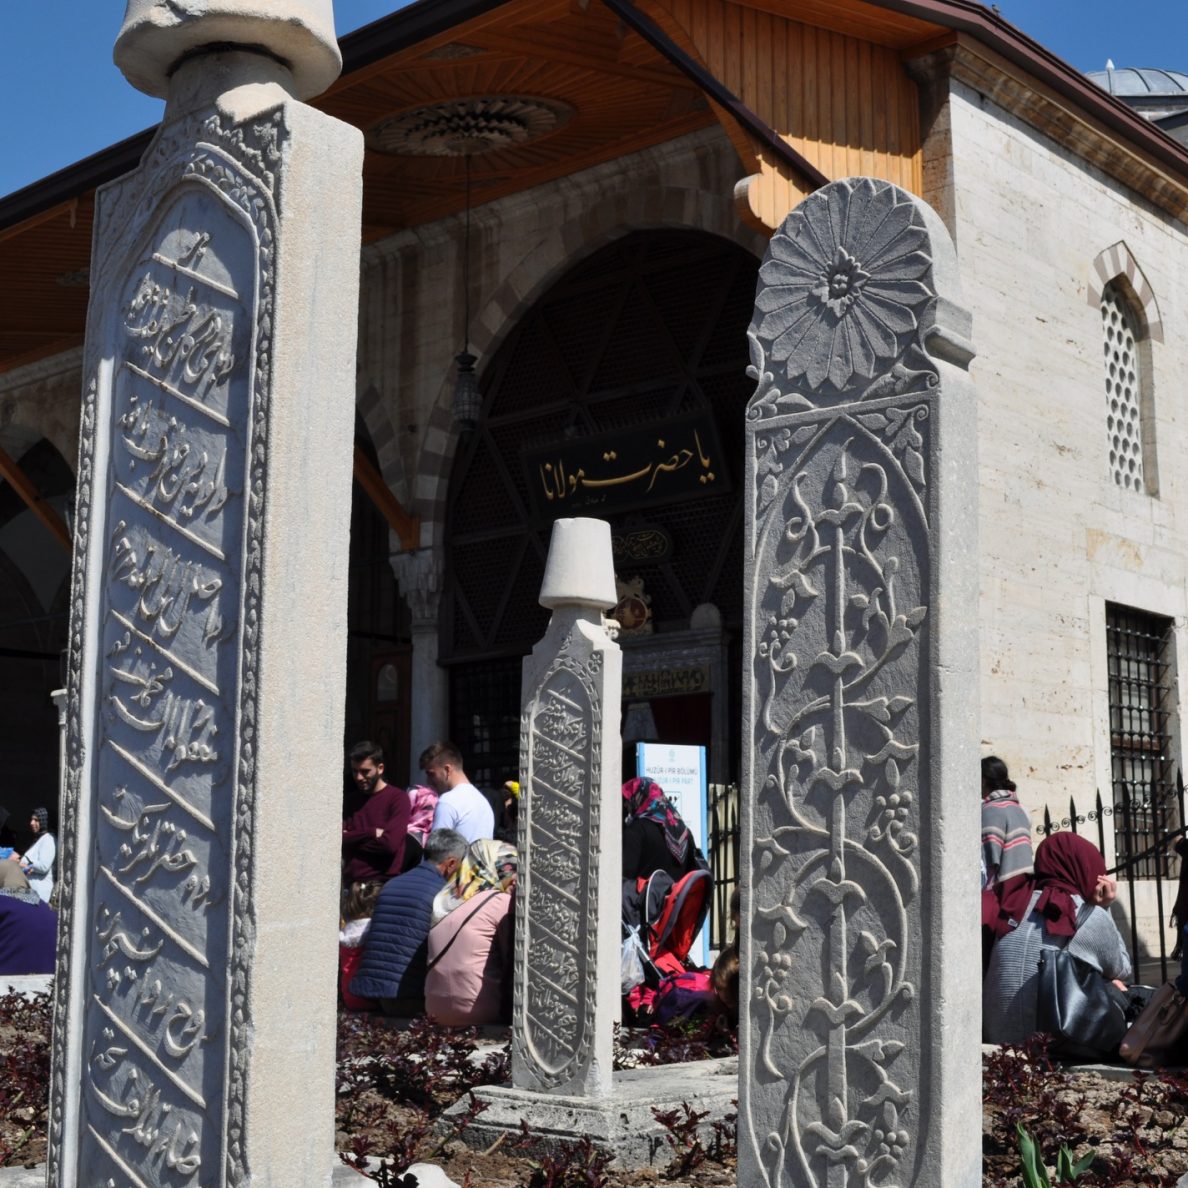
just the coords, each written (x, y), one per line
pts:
(557, 925)
(151, 1032)
(837, 645)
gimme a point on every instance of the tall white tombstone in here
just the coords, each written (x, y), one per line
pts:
(195, 1000)
(859, 1041)
(569, 894)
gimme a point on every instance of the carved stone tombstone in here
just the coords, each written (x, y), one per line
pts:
(207, 649)
(859, 1042)
(568, 898)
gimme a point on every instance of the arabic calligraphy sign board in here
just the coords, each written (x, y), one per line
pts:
(642, 466)
(666, 682)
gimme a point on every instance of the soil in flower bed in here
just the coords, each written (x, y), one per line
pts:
(392, 1086)
(1135, 1128)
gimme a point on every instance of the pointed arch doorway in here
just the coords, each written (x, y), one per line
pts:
(635, 357)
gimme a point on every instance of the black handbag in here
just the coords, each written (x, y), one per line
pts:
(1083, 1013)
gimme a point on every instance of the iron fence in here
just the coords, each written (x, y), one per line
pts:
(725, 838)
(1145, 829)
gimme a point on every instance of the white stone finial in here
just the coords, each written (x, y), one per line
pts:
(580, 569)
(157, 34)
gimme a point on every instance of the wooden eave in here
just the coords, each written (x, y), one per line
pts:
(624, 94)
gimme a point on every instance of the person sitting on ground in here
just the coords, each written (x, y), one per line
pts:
(395, 951)
(725, 974)
(373, 838)
(38, 860)
(1067, 909)
(28, 937)
(461, 807)
(469, 978)
(14, 883)
(1006, 826)
(507, 821)
(358, 905)
(654, 836)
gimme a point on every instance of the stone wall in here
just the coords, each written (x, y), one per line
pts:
(44, 399)
(1059, 538)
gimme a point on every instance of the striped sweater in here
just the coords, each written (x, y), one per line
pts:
(1006, 838)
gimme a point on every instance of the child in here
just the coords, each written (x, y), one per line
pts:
(357, 908)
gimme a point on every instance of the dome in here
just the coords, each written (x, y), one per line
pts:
(1146, 82)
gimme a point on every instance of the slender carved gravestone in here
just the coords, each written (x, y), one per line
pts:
(568, 905)
(569, 897)
(207, 651)
(859, 1044)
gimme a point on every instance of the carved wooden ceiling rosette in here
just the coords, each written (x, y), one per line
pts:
(468, 127)
(837, 635)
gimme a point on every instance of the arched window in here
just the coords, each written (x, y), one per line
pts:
(1129, 431)
(1130, 322)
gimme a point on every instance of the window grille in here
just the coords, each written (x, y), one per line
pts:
(1141, 693)
(1121, 332)
(485, 712)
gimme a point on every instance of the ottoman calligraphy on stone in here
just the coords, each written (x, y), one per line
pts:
(561, 817)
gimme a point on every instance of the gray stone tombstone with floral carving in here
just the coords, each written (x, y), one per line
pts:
(859, 1041)
(207, 649)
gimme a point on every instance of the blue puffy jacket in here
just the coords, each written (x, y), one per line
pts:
(396, 945)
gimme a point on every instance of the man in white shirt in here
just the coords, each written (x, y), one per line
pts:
(461, 806)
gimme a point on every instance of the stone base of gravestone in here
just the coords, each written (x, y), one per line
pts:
(622, 1123)
(341, 1176)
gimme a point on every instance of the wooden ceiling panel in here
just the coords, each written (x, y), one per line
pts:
(622, 96)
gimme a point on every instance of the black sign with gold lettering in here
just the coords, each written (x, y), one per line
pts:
(637, 467)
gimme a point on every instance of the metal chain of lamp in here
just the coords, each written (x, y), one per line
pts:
(467, 401)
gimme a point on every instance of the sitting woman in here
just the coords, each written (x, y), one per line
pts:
(471, 950)
(1067, 909)
(654, 836)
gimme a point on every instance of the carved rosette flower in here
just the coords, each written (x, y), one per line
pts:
(843, 288)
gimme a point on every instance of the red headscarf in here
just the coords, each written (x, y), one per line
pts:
(1065, 865)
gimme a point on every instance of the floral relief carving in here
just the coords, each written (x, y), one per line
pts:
(839, 439)
(842, 287)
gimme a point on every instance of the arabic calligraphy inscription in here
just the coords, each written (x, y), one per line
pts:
(178, 403)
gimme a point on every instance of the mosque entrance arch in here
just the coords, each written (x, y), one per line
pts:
(619, 394)
(34, 625)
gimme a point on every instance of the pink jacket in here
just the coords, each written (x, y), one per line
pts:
(466, 986)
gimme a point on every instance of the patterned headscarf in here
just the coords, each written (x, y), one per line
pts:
(424, 802)
(489, 865)
(1065, 865)
(41, 815)
(646, 802)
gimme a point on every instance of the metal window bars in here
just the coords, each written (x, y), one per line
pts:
(1139, 649)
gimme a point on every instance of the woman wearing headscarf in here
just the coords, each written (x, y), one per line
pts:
(1066, 909)
(38, 860)
(654, 836)
(468, 983)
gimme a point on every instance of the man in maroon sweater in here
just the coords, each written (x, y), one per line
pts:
(373, 837)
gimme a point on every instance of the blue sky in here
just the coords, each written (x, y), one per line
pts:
(63, 99)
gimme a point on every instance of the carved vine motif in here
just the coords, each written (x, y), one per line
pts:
(557, 938)
(838, 630)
